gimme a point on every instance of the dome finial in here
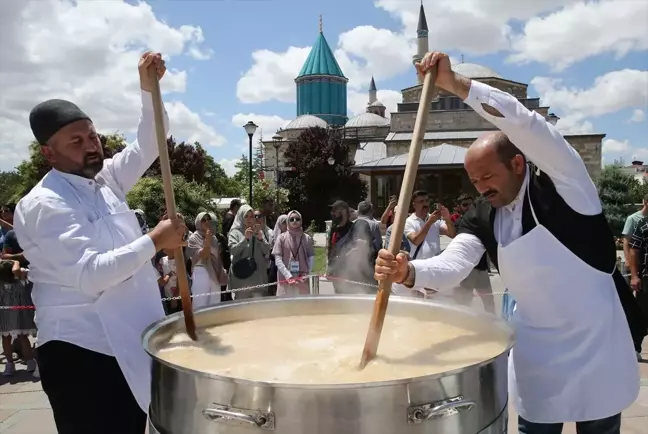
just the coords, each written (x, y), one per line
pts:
(321, 26)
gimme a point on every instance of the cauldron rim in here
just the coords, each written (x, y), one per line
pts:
(497, 322)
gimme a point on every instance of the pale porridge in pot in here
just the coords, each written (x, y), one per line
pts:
(326, 349)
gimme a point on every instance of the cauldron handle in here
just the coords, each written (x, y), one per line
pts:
(257, 418)
(438, 410)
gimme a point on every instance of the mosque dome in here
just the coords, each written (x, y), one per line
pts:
(366, 120)
(376, 103)
(306, 121)
(472, 70)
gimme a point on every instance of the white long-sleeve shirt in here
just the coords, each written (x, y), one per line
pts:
(72, 260)
(542, 144)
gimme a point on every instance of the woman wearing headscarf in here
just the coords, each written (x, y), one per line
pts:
(294, 256)
(204, 251)
(280, 227)
(249, 250)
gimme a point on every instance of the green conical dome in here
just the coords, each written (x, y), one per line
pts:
(321, 85)
(321, 60)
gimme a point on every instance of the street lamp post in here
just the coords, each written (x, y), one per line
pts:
(250, 129)
(276, 142)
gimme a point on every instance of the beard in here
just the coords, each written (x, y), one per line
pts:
(92, 165)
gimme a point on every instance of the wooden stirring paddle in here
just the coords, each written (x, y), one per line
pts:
(169, 198)
(382, 298)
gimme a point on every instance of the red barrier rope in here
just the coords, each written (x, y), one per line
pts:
(294, 280)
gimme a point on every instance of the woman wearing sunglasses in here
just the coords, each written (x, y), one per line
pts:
(294, 256)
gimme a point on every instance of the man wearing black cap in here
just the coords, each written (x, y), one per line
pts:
(350, 252)
(94, 289)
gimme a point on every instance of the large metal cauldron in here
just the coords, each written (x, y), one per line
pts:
(467, 401)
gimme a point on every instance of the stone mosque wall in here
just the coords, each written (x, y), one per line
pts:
(588, 146)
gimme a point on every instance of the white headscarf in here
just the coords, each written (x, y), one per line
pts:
(283, 219)
(195, 244)
(239, 220)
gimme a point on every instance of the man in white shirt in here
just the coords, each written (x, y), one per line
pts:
(542, 223)
(424, 229)
(94, 288)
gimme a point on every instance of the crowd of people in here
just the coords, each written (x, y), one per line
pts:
(16, 326)
(356, 237)
(244, 248)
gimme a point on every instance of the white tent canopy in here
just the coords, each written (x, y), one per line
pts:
(223, 203)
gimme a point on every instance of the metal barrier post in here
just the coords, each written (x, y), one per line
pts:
(313, 285)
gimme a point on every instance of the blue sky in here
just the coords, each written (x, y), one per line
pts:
(255, 25)
(216, 84)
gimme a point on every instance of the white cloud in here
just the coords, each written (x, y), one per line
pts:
(357, 101)
(623, 151)
(638, 116)
(640, 154)
(228, 165)
(187, 125)
(271, 76)
(615, 146)
(361, 52)
(611, 92)
(586, 29)
(469, 26)
(87, 52)
(366, 51)
(575, 124)
(268, 124)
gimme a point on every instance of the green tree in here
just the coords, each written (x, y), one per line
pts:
(258, 163)
(10, 186)
(243, 168)
(219, 183)
(314, 184)
(263, 189)
(148, 195)
(639, 191)
(196, 165)
(615, 190)
(35, 166)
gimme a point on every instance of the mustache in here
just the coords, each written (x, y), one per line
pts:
(489, 192)
(93, 156)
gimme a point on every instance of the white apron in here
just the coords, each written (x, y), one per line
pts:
(128, 308)
(574, 358)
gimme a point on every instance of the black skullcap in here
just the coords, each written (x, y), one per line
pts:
(50, 116)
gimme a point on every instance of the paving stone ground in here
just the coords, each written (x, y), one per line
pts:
(24, 408)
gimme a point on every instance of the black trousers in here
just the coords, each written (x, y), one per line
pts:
(609, 425)
(272, 276)
(642, 301)
(87, 391)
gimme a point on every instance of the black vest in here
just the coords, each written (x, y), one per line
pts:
(588, 237)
